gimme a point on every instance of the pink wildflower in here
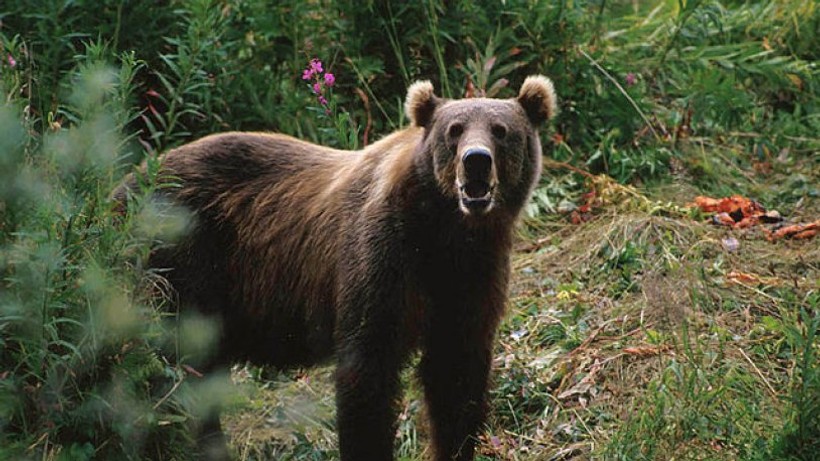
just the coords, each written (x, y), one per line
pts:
(319, 80)
(631, 79)
(12, 61)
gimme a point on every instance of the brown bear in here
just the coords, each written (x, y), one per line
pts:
(305, 253)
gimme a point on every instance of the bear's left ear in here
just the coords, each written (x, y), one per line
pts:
(421, 103)
(537, 97)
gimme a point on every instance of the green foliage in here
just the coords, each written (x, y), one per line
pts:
(633, 79)
(84, 372)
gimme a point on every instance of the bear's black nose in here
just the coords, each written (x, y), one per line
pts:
(478, 163)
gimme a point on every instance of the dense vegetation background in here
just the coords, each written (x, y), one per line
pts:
(636, 330)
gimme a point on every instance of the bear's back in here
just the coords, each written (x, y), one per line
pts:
(271, 215)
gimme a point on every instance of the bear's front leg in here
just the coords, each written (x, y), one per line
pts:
(455, 385)
(369, 352)
(454, 370)
(367, 392)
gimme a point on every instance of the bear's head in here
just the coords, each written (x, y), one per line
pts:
(485, 153)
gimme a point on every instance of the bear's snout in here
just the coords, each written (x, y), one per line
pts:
(478, 163)
(476, 181)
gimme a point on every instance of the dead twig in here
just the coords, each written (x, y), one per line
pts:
(759, 373)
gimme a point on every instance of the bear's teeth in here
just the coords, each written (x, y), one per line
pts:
(476, 189)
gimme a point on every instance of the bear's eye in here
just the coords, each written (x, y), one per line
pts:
(499, 131)
(455, 130)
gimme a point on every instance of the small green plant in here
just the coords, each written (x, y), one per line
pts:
(187, 94)
(800, 325)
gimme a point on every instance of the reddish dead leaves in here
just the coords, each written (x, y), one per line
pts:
(795, 231)
(736, 211)
(740, 212)
(584, 212)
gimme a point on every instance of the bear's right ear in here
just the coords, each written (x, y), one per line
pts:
(421, 103)
(537, 97)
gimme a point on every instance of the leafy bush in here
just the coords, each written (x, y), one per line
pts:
(82, 377)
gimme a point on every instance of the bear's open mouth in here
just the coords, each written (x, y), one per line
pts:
(476, 195)
(476, 189)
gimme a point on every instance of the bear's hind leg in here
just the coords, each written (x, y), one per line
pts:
(211, 440)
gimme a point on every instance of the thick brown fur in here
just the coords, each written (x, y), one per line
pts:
(305, 253)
